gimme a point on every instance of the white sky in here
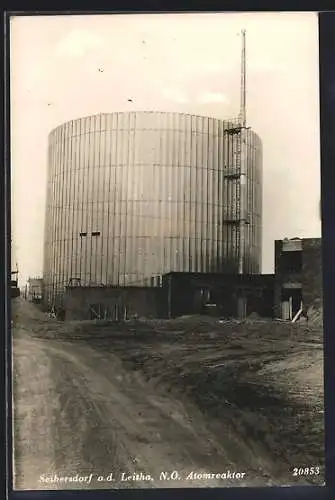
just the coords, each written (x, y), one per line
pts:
(65, 67)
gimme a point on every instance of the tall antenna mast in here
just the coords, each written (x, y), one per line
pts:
(243, 113)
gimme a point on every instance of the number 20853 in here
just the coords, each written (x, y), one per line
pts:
(306, 471)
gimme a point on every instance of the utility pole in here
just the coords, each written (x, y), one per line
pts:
(241, 147)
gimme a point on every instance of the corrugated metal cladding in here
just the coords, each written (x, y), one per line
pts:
(132, 196)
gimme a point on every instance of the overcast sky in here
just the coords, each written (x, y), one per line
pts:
(66, 67)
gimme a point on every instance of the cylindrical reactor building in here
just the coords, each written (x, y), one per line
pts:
(134, 195)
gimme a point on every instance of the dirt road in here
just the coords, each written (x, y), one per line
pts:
(84, 420)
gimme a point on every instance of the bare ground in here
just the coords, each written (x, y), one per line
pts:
(155, 396)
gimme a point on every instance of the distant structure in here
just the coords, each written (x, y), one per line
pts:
(14, 279)
(14, 288)
(35, 290)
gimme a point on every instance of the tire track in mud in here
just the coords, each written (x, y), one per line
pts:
(138, 433)
(33, 450)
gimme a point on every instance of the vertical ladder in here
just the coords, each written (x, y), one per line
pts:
(237, 165)
(236, 173)
(232, 175)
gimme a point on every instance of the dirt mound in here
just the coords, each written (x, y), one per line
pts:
(315, 316)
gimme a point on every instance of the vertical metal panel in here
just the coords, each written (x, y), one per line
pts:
(54, 212)
(57, 206)
(156, 187)
(65, 207)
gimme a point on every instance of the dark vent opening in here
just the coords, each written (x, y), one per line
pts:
(291, 262)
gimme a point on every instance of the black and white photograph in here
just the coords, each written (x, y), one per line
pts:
(166, 251)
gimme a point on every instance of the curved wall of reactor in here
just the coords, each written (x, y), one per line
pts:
(134, 195)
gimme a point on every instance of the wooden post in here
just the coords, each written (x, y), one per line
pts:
(241, 307)
(290, 308)
(169, 297)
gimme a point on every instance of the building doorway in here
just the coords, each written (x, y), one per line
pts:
(291, 302)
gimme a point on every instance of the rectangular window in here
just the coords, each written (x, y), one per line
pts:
(96, 233)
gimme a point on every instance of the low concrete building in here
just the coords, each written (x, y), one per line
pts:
(298, 277)
(225, 295)
(113, 303)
